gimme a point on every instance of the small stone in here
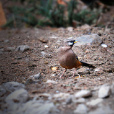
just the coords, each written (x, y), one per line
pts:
(43, 40)
(104, 45)
(69, 100)
(83, 93)
(43, 53)
(6, 41)
(104, 91)
(81, 109)
(36, 76)
(12, 86)
(10, 48)
(51, 81)
(70, 29)
(19, 96)
(61, 96)
(80, 100)
(46, 46)
(22, 48)
(94, 102)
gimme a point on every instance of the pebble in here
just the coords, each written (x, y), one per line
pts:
(70, 29)
(104, 45)
(81, 109)
(104, 91)
(51, 81)
(19, 96)
(61, 96)
(12, 86)
(83, 93)
(94, 102)
(22, 48)
(10, 48)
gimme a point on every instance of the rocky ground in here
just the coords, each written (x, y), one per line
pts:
(29, 72)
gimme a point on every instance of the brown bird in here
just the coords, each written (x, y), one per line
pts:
(68, 59)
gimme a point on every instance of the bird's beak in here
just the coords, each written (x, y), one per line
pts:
(75, 41)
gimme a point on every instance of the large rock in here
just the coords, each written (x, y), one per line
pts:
(94, 102)
(81, 109)
(104, 91)
(92, 39)
(18, 96)
(12, 86)
(34, 107)
(83, 93)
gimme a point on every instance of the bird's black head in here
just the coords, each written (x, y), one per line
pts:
(71, 42)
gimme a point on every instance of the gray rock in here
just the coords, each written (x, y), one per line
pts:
(83, 93)
(18, 96)
(80, 100)
(94, 102)
(69, 99)
(51, 81)
(2, 91)
(36, 76)
(22, 48)
(12, 86)
(104, 91)
(102, 110)
(112, 88)
(6, 40)
(34, 107)
(10, 48)
(81, 109)
(88, 40)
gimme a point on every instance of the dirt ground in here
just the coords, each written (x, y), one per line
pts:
(42, 56)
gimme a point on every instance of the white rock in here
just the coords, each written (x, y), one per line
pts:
(70, 29)
(12, 86)
(19, 96)
(83, 93)
(51, 81)
(104, 45)
(34, 107)
(81, 109)
(61, 95)
(36, 76)
(46, 46)
(22, 48)
(94, 102)
(104, 91)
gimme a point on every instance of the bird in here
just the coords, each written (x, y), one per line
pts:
(68, 59)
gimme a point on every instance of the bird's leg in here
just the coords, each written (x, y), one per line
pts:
(76, 73)
(63, 73)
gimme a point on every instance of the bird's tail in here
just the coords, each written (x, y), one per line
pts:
(87, 65)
